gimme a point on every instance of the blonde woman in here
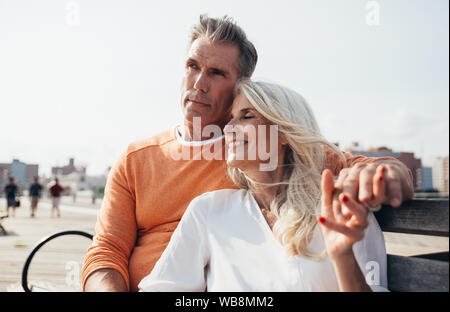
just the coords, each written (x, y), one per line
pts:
(279, 231)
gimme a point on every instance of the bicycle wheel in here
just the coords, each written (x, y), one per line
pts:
(55, 262)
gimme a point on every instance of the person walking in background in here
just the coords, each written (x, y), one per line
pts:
(11, 191)
(35, 195)
(55, 192)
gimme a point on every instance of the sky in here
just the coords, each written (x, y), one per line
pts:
(85, 78)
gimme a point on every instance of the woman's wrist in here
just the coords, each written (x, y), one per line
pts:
(348, 273)
(342, 256)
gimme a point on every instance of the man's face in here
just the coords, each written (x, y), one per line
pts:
(211, 72)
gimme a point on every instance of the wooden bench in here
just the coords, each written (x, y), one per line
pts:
(425, 272)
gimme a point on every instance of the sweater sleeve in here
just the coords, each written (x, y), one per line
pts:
(182, 266)
(116, 229)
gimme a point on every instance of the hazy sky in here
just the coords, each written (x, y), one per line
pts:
(85, 78)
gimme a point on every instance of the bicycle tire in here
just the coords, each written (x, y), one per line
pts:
(41, 243)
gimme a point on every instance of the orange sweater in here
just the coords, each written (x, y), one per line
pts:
(145, 197)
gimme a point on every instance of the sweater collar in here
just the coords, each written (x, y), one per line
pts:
(179, 137)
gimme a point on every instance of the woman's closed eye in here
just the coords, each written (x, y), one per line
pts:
(248, 116)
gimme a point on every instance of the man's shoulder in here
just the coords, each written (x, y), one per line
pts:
(154, 141)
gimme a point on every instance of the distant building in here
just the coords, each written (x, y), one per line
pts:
(4, 174)
(445, 176)
(32, 171)
(440, 174)
(414, 164)
(68, 169)
(18, 170)
(427, 178)
(22, 173)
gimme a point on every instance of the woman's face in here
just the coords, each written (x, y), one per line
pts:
(253, 143)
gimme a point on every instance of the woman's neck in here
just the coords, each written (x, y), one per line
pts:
(263, 194)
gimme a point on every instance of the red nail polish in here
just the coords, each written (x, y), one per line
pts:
(381, 178)
(321, 219)
(345, 198)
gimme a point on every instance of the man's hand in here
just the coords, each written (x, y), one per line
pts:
(383, 182)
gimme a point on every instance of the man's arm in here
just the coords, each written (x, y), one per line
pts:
(105, 280)
(105, 266)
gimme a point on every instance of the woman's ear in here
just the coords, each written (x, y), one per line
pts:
(282, 139)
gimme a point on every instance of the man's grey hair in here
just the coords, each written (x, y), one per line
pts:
(224, 29)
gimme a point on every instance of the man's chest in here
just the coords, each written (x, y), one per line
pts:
(164, 192)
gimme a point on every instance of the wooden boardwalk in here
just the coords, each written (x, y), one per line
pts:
(58, 263)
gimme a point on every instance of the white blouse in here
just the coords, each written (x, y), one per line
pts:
(223, 243)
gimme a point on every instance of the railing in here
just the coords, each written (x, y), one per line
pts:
(427, 272)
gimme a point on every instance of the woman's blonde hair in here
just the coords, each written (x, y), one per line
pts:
(298, 204)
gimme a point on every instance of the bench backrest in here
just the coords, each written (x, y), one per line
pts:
(422, 272)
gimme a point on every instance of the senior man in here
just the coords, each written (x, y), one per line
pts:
(149, 189)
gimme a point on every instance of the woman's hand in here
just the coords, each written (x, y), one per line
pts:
(340, 231)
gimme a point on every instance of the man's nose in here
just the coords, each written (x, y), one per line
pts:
(201, 82)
